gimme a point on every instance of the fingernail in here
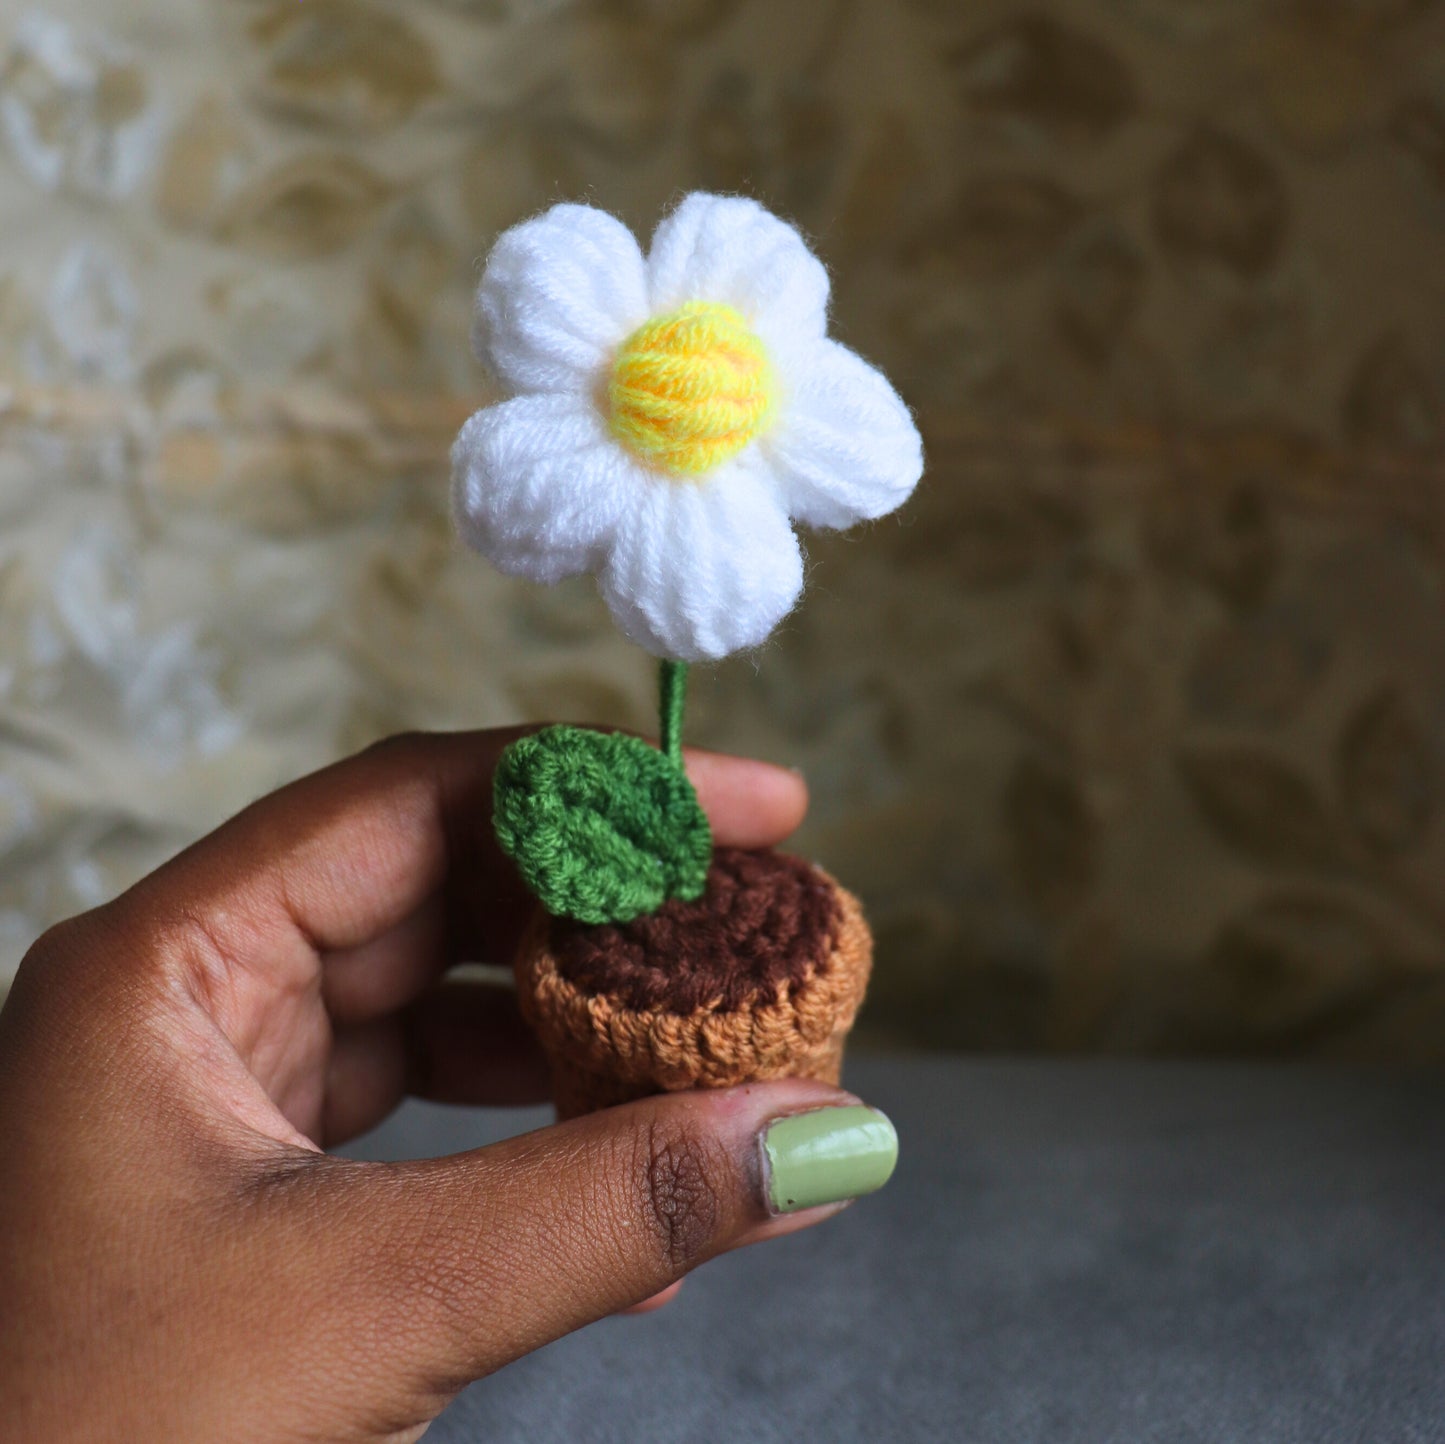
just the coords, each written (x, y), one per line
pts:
(826, 1156)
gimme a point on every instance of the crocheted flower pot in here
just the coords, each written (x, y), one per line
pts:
(759, 978)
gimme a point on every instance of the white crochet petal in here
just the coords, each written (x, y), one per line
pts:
(558, 294)
(538, 486)
(702, 569)
(844, 448)
(729, 249)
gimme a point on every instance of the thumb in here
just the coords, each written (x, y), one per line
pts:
(476, 1259)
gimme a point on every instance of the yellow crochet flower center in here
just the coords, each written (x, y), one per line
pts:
(690, 389)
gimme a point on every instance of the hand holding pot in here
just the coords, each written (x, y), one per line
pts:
(179, 1258)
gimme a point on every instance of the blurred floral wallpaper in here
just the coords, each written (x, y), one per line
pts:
(1129, 729)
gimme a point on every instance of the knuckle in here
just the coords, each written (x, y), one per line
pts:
(64, 953)
(47, 972)
(679, 1183)
(57, 942)
(399, 744)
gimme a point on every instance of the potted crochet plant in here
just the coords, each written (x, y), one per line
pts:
(670, 416)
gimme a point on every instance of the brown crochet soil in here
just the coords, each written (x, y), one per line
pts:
(765, 921)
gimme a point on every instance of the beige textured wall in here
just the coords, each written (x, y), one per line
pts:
(1129, 729)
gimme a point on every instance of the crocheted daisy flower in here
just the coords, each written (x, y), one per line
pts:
(671, 415)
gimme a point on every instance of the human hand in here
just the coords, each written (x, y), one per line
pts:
(178, 1257)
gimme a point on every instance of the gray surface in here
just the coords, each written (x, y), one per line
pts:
(1079, 1252)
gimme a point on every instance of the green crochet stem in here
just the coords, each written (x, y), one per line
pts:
(671, 694)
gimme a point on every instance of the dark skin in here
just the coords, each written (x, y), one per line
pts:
(179, 1259)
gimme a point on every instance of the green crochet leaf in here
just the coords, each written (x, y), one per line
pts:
(602, 827)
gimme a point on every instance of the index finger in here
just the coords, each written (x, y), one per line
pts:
(749, 803)
(347, 853)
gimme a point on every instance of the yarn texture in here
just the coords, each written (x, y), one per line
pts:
(757, 933)
(760, 978)
(690, 389)
(670, 416)
(602, 827)
(672, 699)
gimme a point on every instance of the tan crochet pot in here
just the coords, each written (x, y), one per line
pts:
(760, 978)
